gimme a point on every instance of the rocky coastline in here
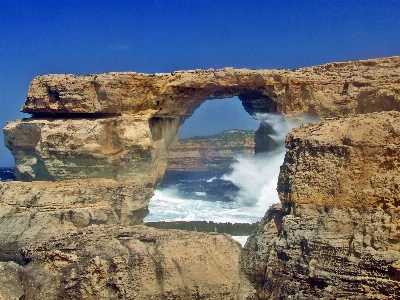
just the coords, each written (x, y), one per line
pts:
(88, 160)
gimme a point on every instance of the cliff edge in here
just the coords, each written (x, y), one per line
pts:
(336, 234)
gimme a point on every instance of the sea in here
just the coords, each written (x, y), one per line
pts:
(241, 195)
(6, 174)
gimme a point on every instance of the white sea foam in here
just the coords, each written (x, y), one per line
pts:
(167, 205)
(201, 194)
(211, 179)
(256, 177)
(241, 239)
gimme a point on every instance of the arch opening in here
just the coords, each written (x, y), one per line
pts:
(206, 173)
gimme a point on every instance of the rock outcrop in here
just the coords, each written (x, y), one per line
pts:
(36, 211)
(240, 229)
(337, 234)
(133, 262)
(327, 90)
(211, 153)
(124, 148)
(97, 146)
(119, 114)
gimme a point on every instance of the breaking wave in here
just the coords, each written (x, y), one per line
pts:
(242, 195)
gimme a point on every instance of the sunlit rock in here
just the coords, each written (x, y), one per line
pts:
(328, 90)
(337, 233)
(97, 145)
(124, 148)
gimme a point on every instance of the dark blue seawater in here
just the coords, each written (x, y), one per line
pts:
(206, 186)
(7, 174)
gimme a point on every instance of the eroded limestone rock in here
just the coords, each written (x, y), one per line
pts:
(36, 211)
(11, 285)
(103, 142)
(129, 147)
(134, 263)
(328, 90)
(337, 234)
(351, 162)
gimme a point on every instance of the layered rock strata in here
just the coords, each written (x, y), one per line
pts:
(240, 229)
(132, 262)
(115, 112)
(211, 153)
(36, 211)
(124, 148)
(337, 234)
(97, 145)
(327, 90)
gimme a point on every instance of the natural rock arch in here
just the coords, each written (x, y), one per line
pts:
(121, 125)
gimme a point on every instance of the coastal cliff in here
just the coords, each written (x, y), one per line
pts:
(88, 160)
(211, 153)
(336, 234)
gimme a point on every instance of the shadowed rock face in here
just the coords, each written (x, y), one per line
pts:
(337, 234)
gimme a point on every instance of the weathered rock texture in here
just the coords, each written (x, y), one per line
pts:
(134, 263)
(337, 235)
(36, 211)
(128, 147)
(135, 104)
(11, 285)
(211, 153)
(326, 90)
(99, 146)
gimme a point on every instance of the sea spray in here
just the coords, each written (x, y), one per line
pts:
(242, 195)
(257, 176)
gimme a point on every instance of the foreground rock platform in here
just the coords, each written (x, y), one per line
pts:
(36, 211)
(336, 234)
(133, 262)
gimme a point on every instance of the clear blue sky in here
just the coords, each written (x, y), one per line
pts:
(82, 37)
